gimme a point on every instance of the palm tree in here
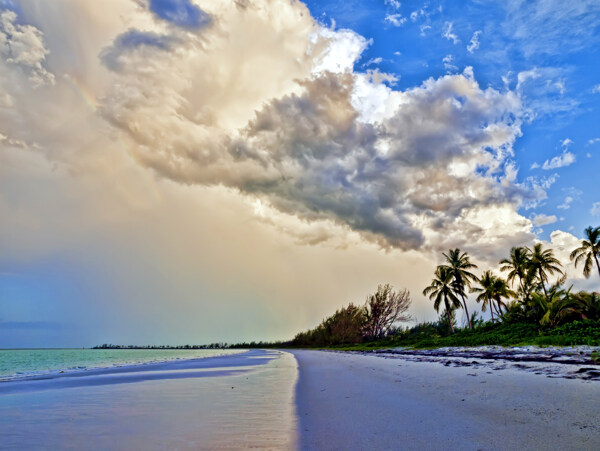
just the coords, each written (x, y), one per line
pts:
(589, 249)
(517, 265)
(492, 289)
(458, 264)
(441, 289)
(486, 292)
(501, 290)
(543, 263)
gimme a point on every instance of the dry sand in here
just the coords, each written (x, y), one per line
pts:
(352, 401)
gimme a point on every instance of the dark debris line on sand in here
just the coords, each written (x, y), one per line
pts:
(570, 363)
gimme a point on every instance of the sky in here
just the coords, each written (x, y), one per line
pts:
(178, 171)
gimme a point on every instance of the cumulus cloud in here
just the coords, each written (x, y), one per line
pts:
(134, 41)
(315, 139)
(595, 210)
(542, 220)
(23, 46)
(596, 89)
(309, 155)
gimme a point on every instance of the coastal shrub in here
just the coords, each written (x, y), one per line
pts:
(383, 309)
(353, 324)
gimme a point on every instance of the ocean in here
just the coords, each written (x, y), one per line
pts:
(23, 363)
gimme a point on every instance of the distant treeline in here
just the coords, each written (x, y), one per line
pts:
(253, 344)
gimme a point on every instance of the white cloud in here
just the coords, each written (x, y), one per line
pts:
(393, 3)
(449, 65)
(535, 190)
(524, 76)
(424, 29)
(23, 46)
(337, 51)
(474, 43)
(593, 141)
(566, 142)
(414, 16)
(449, 34)
(551, 27)
(542, 220)
(373, 61)
(566, 203)
(542, 90)
(595, 210)
(395, 19)
(534, 165)
(565, 159)
(596, 89)
(315, 140)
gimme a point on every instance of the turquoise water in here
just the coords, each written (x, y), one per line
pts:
(17, 363)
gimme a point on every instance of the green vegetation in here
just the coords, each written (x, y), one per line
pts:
(527, 308)
(353, 324)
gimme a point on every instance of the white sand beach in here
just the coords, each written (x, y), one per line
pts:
(355, 402)
(303, 399)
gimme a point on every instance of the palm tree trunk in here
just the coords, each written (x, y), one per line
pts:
(448, 313)
(500, 305)
(543, 285)
(492, 309)
(522, 289)
(597, 264)
(497, 308)
(466, 310)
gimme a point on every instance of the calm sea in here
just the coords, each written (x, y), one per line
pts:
(17, 363)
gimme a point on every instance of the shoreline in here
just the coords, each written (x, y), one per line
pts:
(91, 370)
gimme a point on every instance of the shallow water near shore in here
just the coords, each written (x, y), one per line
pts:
(22, 363)
(226, 402)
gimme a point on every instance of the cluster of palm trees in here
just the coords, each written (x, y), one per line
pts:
(527, 282)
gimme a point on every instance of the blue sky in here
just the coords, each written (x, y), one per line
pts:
(559, 42)
(177, 171)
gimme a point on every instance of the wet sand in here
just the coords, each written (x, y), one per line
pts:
(231, 402)
(355, 401)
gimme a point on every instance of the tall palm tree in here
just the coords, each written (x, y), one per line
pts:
(486, 292)
(517, 265)
(543, 263)
(501, 290)
(458, 264)
(589, 249)
(441, 289)
(492, 289)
